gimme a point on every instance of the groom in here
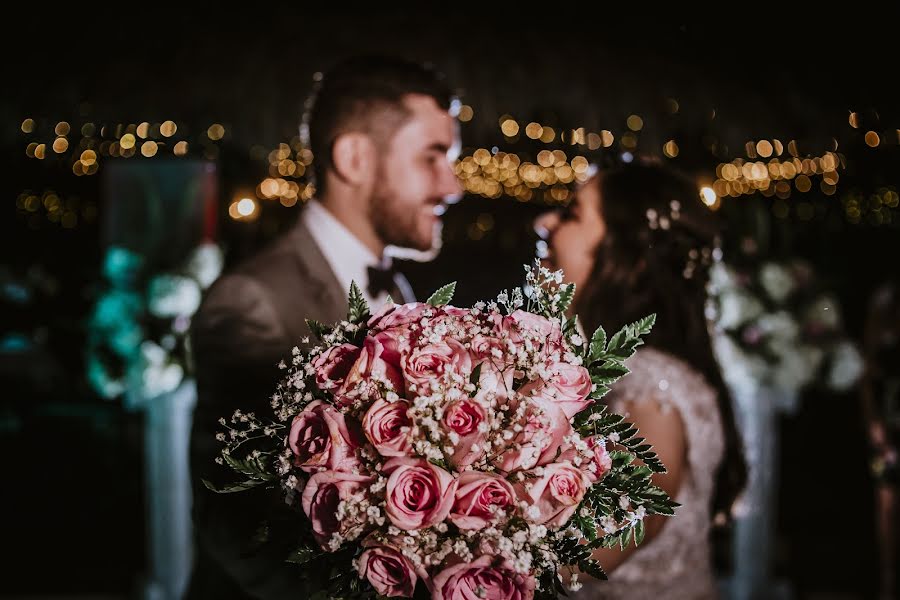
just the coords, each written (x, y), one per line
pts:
(381, 134)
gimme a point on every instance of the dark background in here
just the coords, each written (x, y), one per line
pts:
(74, 505)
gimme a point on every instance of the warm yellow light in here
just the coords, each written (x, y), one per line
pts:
(168, 128)
(872, 139)
(215, 132)
(60, 145)
(28, 125)
(764, 148)
(62, 128)
(466, 113)
(545, 158)
(534, 130)
(635, 123)
(548, 135)
(509, 128)
(180, 148)
(142, 130)
(127, 141)
(149, 148)
(854, 120)
(88, 157)
(607, 138)
(670, 149)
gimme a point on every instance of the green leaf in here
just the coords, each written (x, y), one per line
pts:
(303, 555)
(320, 330)
(359, 308)
(598, 343)
(251, 467)
(476, 374)
(236, 487)
(639, 533)
(566, 293)
(443, 295)
(643, 326)
(592, 568)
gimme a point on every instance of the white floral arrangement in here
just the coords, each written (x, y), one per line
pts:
(772, 328)
(137, 333)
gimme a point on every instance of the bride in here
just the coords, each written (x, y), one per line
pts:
(637, 240)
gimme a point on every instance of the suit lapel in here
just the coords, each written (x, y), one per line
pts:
(325, 301)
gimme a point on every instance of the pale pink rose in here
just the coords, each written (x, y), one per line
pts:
(601, 460)
(495, 381)
(433, 362)
(393, 342)
(398, 315)
(569, 386)
(387, 426)
(483, 347)
(389, 572)
(333, 365)
(479, 497)
(544, 429)
(520, 325)
(321, 437)
(485, 578)
(371, 365)
(594, 460)
(419, 494)
(556, 493)
(464, 418)
(321, 496)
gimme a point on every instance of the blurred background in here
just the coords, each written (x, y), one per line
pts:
(128, 143)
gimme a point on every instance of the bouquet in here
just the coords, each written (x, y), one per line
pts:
(773, 327)
(137, 333)
(452, 452)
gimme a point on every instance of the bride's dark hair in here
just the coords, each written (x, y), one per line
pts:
(654, 258)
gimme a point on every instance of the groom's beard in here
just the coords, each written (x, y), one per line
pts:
(397, 224)
(406, 253)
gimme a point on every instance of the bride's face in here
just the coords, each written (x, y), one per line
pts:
(574, 233)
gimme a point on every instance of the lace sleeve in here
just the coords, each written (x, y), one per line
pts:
(659, 377)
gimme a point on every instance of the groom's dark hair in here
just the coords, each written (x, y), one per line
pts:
(365, 94)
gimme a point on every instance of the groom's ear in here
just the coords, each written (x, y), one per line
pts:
(353, 157)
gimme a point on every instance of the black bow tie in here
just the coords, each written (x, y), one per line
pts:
(382, 280)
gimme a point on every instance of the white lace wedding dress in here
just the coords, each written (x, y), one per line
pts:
(675, 565)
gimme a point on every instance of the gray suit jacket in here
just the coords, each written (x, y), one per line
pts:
(248, 322)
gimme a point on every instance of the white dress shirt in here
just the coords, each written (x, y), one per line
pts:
(347, 256)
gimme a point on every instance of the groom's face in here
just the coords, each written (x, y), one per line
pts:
(415, 176)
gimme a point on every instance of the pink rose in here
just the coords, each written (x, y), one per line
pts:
(485, 578)
(419, 494)
(479, 497)
(494, 381)
(544, 429)
(333, 365)
(463, 419)
(321, 496)
(372, 366)
(389, 572)
(322, 438)
(520, 325)
(569, 387)
(483, 348)
(593, 460)
(434, 362)
(556, 493)
(398, 315)
(387, 426)
(601, 460)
